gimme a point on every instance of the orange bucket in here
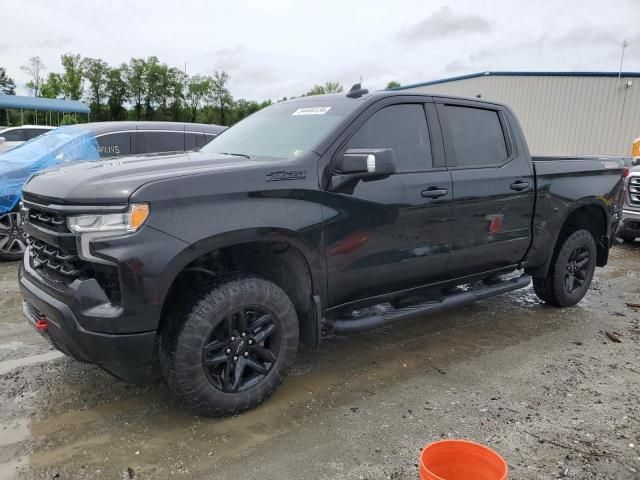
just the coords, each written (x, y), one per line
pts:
(461, 460)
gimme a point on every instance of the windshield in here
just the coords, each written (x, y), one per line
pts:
(285, 130)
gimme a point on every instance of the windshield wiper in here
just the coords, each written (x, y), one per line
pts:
(237, 155)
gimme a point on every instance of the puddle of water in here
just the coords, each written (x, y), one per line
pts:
(9, 365)
(14, 432)
(68, 451)
(71, 418)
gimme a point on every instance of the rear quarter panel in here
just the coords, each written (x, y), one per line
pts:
(564, 185)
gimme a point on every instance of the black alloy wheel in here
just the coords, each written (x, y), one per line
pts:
(241, 350)
(577, 269)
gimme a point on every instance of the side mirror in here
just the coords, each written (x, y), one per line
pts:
(2, 140)
(366, 162)
(636, 161)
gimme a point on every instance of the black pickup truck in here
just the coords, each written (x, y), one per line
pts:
(217, 262)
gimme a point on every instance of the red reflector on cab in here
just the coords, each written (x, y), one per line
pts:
(625, 172)
(42, 325)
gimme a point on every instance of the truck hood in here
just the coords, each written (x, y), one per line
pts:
(114, 180)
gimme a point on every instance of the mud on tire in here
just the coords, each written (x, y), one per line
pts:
(197, 354)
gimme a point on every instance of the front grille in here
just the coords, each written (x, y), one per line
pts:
(634, 191)
(64, 263)
(48, 220)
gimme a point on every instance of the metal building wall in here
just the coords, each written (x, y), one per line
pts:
(563, 115)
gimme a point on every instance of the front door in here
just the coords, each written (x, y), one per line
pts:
(392, 233)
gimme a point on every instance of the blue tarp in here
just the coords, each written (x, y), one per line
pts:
(63, 145)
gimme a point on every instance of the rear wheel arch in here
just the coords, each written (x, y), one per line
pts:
(591, 216)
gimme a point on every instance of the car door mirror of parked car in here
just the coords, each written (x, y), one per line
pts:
(2, 140)
(366, 163)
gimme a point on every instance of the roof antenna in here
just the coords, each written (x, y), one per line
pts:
(357, 91)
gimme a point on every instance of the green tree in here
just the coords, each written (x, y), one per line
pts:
(167, 89)
(71, 79)
(35, 69)
(199, 89)
(174, 86)
(7, 85)
(135, 78)
(221, 97)
(52, 87)
(153, 72)
(117, 92)
(393, 84)
(328, 87)
(96, 71)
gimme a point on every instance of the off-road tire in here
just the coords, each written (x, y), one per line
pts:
(552, 289)
(183, 340)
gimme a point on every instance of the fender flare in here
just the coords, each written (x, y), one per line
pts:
(541, 271)
(311, 254)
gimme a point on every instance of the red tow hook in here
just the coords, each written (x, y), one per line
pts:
(42, 325)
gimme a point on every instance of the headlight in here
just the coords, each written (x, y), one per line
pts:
(91, 226)
(110, 223)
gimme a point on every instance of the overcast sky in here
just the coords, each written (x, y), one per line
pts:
(275, 48)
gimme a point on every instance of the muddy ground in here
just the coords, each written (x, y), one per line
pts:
(546, 388)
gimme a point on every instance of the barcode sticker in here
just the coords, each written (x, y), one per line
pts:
(311, 111)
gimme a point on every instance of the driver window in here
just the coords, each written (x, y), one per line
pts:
(403, 129)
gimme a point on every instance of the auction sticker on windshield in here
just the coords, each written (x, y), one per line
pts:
(311, 111)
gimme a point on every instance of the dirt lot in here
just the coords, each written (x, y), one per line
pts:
(546, 388)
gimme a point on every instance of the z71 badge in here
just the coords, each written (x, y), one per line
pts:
(286, 175)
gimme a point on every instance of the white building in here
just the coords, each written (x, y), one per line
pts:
(562, 113)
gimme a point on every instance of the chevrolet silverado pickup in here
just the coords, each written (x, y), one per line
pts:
(314, 212)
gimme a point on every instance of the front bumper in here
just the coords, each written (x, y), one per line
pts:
(630, 223)
(126, 356)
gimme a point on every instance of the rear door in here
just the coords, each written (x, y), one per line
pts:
(493, 187)
(386, 234)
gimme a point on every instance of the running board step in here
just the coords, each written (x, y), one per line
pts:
(456, 299)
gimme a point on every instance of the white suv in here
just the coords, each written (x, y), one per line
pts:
(14, 136)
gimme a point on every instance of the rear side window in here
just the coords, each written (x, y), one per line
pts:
(34, 132)
(403, 129)
(208, 137)
(14, 135)
(193, 140)
(155, 142)
(114, 144)
(477, 136)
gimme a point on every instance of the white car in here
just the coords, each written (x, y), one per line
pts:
(14, 136)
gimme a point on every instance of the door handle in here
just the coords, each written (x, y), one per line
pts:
(434, 192)
(519, 185)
